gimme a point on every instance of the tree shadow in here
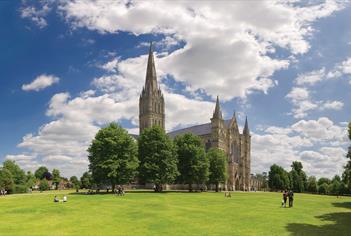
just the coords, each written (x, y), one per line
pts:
(336, 224)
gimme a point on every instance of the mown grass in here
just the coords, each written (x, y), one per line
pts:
(143, 213)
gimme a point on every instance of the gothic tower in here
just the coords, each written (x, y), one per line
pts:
(218, 133)
(151, 101)
(246, 156)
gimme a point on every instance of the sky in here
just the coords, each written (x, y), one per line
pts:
(71, 67)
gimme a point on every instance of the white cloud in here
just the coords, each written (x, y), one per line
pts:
(319, 144)
(311, 77)
(37, 15)
(41, 82)
(333, 105)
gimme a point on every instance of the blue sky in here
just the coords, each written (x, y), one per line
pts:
(71, 67)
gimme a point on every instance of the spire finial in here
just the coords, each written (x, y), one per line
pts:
(246, 128)
(217, 112)
(151, 78)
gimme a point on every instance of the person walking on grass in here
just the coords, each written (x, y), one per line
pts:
(291, 198)
(285, 197)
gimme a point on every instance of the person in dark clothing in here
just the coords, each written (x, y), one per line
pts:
(291, 198)
(285, 197)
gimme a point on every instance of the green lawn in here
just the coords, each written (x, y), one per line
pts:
(143, 213)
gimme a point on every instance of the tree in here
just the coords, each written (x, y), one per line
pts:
(44, 185)
(30, 179)
(18, 175)
(192, 160)
(39, 173)
(218, 166)
(298, 177)
(158, 158)
(6, 181)
(335, 186)
(56, 178)
(75, 182)
(113, 156)
(278, 178)
(312, 186)
(323, 188)
(324, 180)
(347, 172)
(86, 180)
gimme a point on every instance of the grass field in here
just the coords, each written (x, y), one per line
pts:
(143, 213)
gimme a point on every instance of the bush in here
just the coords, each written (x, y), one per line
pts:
(323, 189)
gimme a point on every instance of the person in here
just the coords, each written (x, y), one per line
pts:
(291, 198)
(56, 199)
(64, 198)
(285, 197)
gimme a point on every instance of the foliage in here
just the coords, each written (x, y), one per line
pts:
(113, 156)
(323, 188)
(347, 172)
(39, 173)
(298, 177)
(30, 179)
(18, 175)
(312, 186)
(75, 182)
(158, 159)
(323, 180)
(86, 180)
(56, 178)
(44, 185)
(218, 166)
(192, 160)
(6, 180)
(278, 178)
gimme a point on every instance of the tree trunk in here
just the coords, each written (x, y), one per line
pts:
(190, 188)
(217, 187)
(113, 188)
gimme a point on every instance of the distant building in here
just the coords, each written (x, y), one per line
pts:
(219, 133)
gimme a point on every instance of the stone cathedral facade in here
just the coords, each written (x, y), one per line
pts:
(219, 133)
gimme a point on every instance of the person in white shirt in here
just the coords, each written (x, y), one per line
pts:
(64, 198)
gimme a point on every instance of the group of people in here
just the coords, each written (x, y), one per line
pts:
(64, 199)
(3, 192)
(119, 191)
(288, 195)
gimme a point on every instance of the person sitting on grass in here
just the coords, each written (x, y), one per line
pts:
(64, 199)
(227, 194)
(56, 199)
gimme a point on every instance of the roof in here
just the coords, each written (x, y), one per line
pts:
(202, 129)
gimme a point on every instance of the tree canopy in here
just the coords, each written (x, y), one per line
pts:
(192, 160)
(6, 181)
(39, 173)
(18, 175)
(278, 178)
(158, 159)
(218, 166)
(113, 156)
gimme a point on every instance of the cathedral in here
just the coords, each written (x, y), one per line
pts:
(218, 133)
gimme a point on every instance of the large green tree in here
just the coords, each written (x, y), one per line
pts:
(158, 158)
(86, 180)
(30, 179)
(18, 175)
(278, 178)
(218, 166)
(298, 177)
(40, 172)
(192, 160)
(113, 156)
(312, 186)
(347, 172)
(75, 182)
(6, 180)
(56, 178)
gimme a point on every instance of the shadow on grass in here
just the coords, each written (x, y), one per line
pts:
(335, 224)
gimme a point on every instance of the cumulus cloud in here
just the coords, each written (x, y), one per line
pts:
(41, 82)
(319, 144)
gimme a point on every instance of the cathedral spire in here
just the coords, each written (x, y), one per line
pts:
(246, 128)
(217, 112)
(151, 78)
